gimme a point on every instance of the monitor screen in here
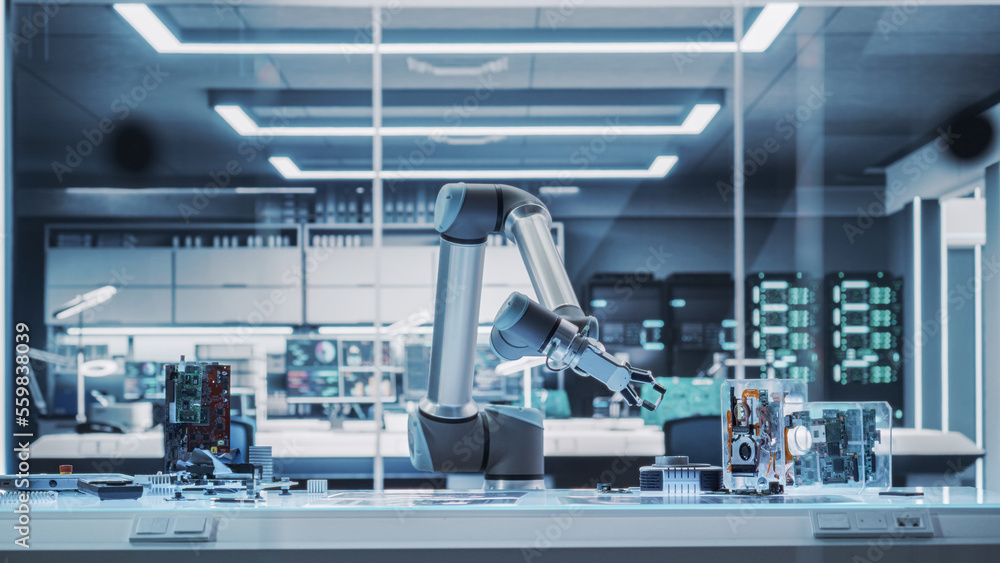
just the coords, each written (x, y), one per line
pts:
(143, 380)
(301, 354)
(320, 385)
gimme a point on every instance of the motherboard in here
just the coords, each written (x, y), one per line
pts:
(198, 403)
(837, 447)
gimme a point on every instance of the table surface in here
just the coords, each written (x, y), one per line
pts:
(561, 525)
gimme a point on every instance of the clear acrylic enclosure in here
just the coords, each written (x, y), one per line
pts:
(839, 445)
(753, 432)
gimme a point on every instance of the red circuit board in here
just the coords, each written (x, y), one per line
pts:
(197, 409)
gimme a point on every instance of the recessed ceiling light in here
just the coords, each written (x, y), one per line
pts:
(767, 26)
(185, 191)
(695, 122)
(757, 39)
(658, 169)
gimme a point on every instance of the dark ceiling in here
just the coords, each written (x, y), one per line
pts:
(887, 83)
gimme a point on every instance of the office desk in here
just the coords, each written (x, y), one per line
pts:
(556, 525)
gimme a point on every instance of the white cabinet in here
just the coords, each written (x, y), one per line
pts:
(142, 276)
(108, 266)
(238, 267)
(340, 283)
(253, 306)
(253, 286)
(356, 305)
(132, 305)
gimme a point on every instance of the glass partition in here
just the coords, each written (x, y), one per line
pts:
(780, 190)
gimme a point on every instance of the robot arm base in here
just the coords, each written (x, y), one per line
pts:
(506, 443)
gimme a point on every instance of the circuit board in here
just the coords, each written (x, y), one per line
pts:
(784, 313)
(197, 395)
(842, 444)
(751, 421)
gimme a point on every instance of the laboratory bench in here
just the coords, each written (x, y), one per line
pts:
(940, 524)
(577, 452)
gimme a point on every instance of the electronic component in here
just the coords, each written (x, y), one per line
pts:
(847, 445)
(197, 410)
(865, 338)
(53, 481)
(753, 424)
(784, 313)
(685, 397)
(260, 457)
(316, 486)
(111, 489)
(676, 475)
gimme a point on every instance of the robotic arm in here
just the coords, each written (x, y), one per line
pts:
(448, 432)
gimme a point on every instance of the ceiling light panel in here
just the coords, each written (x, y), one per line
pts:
(757, 38)
(290, 171)
(697, 119)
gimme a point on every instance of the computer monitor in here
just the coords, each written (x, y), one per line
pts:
(320, 385)
(309, 353)
(336, 371)
(143, 380)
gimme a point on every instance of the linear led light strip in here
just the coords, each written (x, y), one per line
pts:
(180, 330)
(658, 169)
(697, 119)
(757, 39)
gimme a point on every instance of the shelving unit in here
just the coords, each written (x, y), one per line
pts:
(177, 274)
(259, 274)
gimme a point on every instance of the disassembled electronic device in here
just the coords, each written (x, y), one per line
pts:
(843, 445)
(753, 445)
(774, 440)
(676, 475)
(197, 410)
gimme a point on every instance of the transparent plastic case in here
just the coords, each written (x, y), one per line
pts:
(839, 446)
(753, 432)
